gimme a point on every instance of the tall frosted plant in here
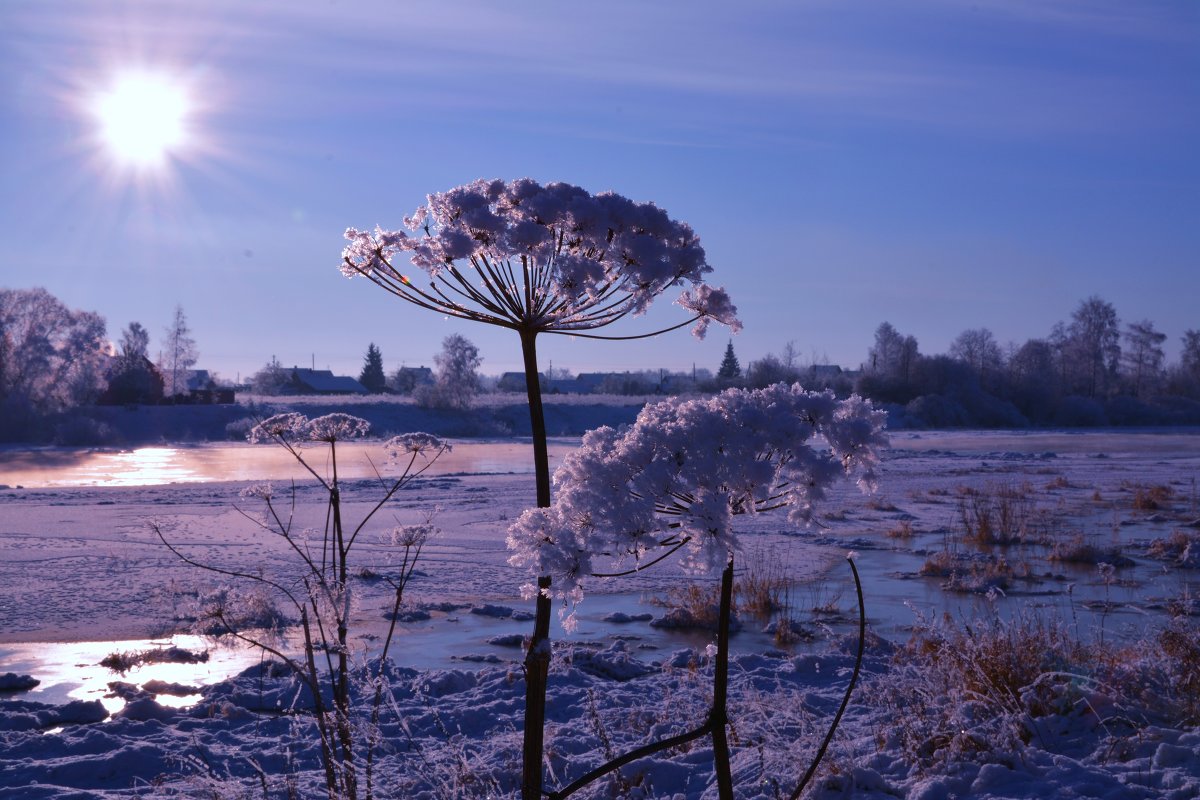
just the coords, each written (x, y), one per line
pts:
(319, 589)
(537, 259)
(675, 481)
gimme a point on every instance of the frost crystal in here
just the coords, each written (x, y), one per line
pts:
(685, 469)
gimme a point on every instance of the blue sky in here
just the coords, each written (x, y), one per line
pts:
(936, 164)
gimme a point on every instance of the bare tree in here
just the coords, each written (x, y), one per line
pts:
(178, 355)
(1143, 356)
(457, 380)
(1094, 347)
(51, 357)
(977, 348)
(270, 379)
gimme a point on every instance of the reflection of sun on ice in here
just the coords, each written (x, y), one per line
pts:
(142, 117)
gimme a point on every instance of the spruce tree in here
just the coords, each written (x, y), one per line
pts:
(372, 377)
(730, 369)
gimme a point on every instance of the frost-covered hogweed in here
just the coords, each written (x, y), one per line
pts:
(410, 444)
(548, 258)
(337, 427)
(291, 428)
(685, 469)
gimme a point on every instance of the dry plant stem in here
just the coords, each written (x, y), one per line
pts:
(406, 571)
(322, 728)
(324, 610)
(862, 639)
(537, 660)
(714, 726)
(718, 718)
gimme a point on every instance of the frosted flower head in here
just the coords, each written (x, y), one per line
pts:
(554, 257)
(413, 536)
(292, 427)
(686, 469)
(711, 304)
(409, 444)
(281, 427)
(337, 427)
(258, 491)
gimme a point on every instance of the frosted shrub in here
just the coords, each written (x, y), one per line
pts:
(319, 591)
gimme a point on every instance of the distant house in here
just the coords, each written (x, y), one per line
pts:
(320, 381)
(511, 382)
(203, 389)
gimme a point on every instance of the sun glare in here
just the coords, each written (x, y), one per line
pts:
(142, 118)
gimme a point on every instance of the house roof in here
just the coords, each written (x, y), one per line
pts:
(323, 380)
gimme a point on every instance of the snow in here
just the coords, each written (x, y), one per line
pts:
(85, 577)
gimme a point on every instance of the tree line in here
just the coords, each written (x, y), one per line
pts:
(1089, 370)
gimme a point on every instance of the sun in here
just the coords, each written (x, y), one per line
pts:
(142, 118)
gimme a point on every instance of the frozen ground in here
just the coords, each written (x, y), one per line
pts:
(81, 566)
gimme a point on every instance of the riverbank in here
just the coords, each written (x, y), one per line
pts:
(497, 415)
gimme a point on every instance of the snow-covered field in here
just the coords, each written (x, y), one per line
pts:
(1009, 535)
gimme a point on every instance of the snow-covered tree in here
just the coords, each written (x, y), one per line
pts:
(457, 380)
(270, 379)
(372, 376)
(178, 355)
(51, 357)
(135, 343)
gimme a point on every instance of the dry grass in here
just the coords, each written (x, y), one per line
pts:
(122, 662)
(998, 515)
(1151, 498)
(881, 504)
(982, 690)
(692, 606)
(969, 575)
(1173, 546)
(762, 587)
(1078, 550)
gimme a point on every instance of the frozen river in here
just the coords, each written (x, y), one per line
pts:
(50, 467)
